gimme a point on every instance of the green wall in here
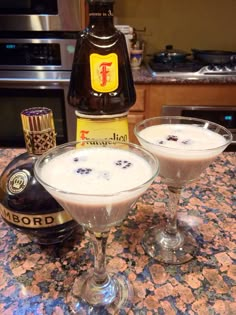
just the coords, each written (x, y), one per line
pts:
(202, 24)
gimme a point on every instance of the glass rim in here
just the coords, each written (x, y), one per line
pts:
(208, 122)
(71, 143)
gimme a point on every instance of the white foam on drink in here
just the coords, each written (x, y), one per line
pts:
(184, 151)
(96, 171)
(185, 138)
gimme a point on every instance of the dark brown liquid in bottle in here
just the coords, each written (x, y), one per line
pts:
(101, 37)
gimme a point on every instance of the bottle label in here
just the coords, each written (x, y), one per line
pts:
(104, 72)
(18, 181)
(35, 221)
(115, 129)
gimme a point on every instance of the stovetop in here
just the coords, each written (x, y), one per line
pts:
(190, 67)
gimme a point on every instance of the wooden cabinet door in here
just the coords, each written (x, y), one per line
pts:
(133, 119)
(137, 111)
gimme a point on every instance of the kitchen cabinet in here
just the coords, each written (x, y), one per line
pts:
(189, 95)
(137, 111)
(152, 97)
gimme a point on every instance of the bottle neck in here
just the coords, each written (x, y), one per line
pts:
(39, 130)
(101, 18)
(39, 142)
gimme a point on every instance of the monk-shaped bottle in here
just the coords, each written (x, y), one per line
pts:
(101, 85)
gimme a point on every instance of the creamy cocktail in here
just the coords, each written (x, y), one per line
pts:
(101, 183)
(97, 185)
(184, 146)
(184, 150)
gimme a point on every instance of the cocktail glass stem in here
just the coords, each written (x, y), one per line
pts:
(169, 243)
(172, 236)
(174, 195)
(99, 243)
(99, 288)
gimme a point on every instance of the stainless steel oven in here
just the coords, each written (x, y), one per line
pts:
(42, 15)
(37, 43)
(35, 72)
(223, 115)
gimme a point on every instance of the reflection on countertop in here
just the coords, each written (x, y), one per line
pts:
(34, 279)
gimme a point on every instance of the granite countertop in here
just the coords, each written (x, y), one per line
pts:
(34, 279)
(144, 76)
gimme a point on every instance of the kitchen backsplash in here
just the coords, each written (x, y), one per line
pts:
(186, 24)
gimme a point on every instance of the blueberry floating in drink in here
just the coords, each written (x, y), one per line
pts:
(123, 163)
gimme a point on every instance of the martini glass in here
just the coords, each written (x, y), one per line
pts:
(184, 146)
(97, 184)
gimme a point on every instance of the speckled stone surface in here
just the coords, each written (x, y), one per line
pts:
(144, 76)
(34, 279)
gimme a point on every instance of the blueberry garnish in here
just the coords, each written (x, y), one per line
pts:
(80, 158)
(161, 142)
(172, 138)
(123, 163)
(84, 171)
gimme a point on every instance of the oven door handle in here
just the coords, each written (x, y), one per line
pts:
(35, 78)
(4, 82)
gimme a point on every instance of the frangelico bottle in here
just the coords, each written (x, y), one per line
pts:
(101, 85)
(24, 203)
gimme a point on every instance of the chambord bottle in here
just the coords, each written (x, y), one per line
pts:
(24, 204)
(101, 85)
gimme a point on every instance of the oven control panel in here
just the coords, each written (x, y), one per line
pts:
(30, 54)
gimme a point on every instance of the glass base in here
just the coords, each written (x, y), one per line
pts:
(169, 249)
(113, 297)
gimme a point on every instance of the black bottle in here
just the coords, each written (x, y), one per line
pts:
(101, 85)
(24, 204)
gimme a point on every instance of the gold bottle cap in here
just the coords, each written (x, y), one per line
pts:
(39, 129)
